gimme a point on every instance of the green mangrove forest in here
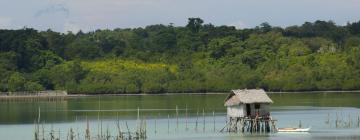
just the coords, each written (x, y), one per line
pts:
(198, 57)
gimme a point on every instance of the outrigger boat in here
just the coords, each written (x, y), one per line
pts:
(292, 129)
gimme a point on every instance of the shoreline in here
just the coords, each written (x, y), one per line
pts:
(161, 94)
(319, 91)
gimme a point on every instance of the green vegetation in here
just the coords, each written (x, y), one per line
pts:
(196, 58)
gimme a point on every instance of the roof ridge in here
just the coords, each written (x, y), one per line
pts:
(248, 96)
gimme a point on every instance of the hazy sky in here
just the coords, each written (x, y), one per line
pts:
(72, 15)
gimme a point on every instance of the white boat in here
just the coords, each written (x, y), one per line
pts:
(293, 129)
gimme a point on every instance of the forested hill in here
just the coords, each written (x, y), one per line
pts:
(196, 58)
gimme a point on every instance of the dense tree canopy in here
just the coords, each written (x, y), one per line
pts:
(196, 58)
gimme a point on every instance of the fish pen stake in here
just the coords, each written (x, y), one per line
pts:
(214, 119)
(204, 120)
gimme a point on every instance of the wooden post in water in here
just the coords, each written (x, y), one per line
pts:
(336, 121)
(59, 134)
(36, 132)
(52, 136)
(144, 129)
(138, 113)
(127, 127)
(226, 122)
(120, 134)
(138, 123)
(214, 119)
(155, 123)
(98, 116)
(204, 120)
(328, 118)
(101, 132)
(43, 130)
(39, 115)
(87, 131)
(168, 122)
(358, 121)
(197, 119)
(273, 125)
(177, 118)
(350, 121)
(186, 118)
(72, 135)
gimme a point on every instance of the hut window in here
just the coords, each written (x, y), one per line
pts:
(257, 106)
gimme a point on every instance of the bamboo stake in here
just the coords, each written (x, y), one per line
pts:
(177, 118)
(214, 119)
(98, 116)
(67, 136)
(36, 131)
(138, 123)
(52, 135)
(107, 133)
(78, 134)
(118, 127)
(337, 121)
(226, 122)
(204, 120)
(186, 118)
(155, 123)
(328, 118)
(168, 123)
(197, 119)
(138, 113)
(71, 134)
(349, 121)
(144, 134)
(101, 133)
(359, 121)
(87, 132)
(39, 115)
(43, 131)
(127, 127)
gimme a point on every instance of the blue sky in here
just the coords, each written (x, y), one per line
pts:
(87, 15)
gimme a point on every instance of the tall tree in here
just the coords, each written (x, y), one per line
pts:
(194, 24)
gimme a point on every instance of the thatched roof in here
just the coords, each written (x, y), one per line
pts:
(247, 96)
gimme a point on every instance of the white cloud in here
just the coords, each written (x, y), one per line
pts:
(239, 24)
(5, 22)
(71, 26)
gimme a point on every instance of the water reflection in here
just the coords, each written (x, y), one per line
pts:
(312, 109)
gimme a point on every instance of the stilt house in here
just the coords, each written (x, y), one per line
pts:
(248, 103)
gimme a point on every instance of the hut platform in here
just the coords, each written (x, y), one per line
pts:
(250, 125)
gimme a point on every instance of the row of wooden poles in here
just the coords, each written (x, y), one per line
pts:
(197, 121)
(343, 121)
(41, 133)
(74, 134)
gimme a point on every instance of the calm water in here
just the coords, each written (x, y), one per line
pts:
(312, 109)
